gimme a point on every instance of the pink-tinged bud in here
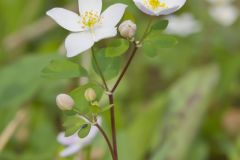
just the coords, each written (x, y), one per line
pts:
(65, 102)
(90, 95)
(127, 29)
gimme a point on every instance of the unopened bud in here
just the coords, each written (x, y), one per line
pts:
(65, 102)
(90, 95)
(127, 29)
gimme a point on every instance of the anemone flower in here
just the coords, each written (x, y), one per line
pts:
(159, 7)
(89, 26)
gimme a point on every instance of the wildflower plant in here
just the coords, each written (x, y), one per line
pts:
(82, 106)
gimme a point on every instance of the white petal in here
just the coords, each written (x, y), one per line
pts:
(61, 138)
(104, 32)
(77, 43)
(72, 149)
(87, 140)
(173, 3)
(143, 8)
(113, 14)
(65, 18)
(173, 6)
(168, 11)
(90, 5)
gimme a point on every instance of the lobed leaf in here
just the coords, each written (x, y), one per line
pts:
(63, 69)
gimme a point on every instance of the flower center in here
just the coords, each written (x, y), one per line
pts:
(89, 19)
(154, 4)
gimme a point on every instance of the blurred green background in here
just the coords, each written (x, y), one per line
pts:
(183, 104)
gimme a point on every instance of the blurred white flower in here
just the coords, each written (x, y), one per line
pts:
(88, 27)
(223, 12)
(159, 7)
(225, 15)
(74, 144)
(220, 2)
(183, 25)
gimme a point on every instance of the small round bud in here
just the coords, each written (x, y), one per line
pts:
(65, 102)
(127, 29)
(90, 94)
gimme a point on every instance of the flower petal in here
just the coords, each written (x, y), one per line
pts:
(174, 3)
(113, 14)
(104, 32)
(77, 43)
(143, 8)
(90, 5)
(168, 11)
(72, 149)
(65, 18)
(61, 138)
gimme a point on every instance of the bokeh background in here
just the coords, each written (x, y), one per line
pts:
(182, 104)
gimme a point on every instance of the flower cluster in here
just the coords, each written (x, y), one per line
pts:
(82, 106)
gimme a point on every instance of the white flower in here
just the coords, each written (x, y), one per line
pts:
(159, 7)
(88, 27)
(183, 25)
(220, 2)
(225, 15)
(74, 143)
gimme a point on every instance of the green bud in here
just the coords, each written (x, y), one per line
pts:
(90, 95)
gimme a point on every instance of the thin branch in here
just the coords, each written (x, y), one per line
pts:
(125, 68)
(113, 126)
(107, 140)
(99, 70)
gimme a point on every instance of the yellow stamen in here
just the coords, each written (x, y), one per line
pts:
(155, 4)
(89, 19)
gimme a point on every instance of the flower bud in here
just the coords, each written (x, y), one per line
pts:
(90, 94)
(65, 102)
(127, 29)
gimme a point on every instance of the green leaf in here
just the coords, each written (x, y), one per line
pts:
(160, 25)
(156, 41)
(116, 47)
(106, 108)
(71, 130)
(63, 69)
(81, 104)
(95, 109)
(72, 124)
(110, 66)
(84, 131)
(188, 105)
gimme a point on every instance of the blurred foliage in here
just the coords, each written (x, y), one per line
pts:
(172, 106)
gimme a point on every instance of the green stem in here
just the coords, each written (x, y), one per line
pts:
(148, 29)
(88, 153)
(99, 70)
